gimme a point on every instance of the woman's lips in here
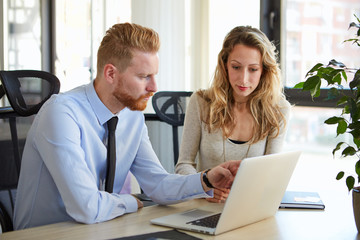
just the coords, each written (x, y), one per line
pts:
(242, 88)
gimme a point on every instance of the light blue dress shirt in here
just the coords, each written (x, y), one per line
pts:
(64, 164)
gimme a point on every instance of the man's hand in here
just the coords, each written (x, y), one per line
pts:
(139, 203)
(222, 176)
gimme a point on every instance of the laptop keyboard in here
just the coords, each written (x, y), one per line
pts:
(210, 221)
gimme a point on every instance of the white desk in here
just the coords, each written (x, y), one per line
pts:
(335, 222)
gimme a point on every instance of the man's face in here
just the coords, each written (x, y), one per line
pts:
(137, 83)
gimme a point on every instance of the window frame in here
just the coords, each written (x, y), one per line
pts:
(271, 23)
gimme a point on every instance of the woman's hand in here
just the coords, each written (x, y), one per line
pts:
(220, 195)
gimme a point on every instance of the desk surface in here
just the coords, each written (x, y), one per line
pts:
(335, 222)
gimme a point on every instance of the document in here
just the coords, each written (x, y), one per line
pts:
(302, 200)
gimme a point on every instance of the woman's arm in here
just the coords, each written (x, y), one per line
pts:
(274, 145)
(191, 137)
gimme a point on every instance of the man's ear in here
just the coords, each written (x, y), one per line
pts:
(109, 72)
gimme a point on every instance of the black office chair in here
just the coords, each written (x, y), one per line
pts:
(170, 106)
(25, 95)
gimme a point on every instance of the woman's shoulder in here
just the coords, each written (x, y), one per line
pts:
(197, 104)
(200, 98)
(284, 106)
(284, 103)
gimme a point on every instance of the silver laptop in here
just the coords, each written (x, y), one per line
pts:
(256, 194)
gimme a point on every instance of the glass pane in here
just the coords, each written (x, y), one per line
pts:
(24, 36)
(318, 168)
(307, 130)
(80, 27)
(315, 31)
(73, 43)
(224, 16)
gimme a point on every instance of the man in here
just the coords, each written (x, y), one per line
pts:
(64, 162)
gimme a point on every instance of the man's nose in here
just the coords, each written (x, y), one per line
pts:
(151, 87)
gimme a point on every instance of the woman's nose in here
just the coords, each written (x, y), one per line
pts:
(243, 77)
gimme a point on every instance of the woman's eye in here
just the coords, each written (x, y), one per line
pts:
(253, 69)
(235, 67)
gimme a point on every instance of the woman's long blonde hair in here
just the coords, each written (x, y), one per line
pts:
(263, 102)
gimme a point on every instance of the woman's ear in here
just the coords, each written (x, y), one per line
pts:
(109, 72)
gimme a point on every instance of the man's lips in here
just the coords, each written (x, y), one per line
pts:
(147, 96)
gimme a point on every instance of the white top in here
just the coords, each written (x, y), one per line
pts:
(201, 150)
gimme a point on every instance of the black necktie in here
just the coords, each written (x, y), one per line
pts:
(111, 155)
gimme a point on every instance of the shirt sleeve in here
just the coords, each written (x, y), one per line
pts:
(59, 144)
(191, 136)
(157, 183)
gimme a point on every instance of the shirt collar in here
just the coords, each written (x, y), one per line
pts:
(102, 113)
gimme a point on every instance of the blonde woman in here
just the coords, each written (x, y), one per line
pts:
(242, 114)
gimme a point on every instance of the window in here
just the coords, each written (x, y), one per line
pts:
(23, 35)
(316, 28)
(80, 26)
(224, 16)
(313, 32)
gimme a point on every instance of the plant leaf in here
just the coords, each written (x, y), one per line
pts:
(335, 63)
(350, 181)
(355, 133)
(314, 69)
(348, 151)
(334, 120)
(356, 80)
(312, 84)
(299, 85)
(357, 142)
(341, 128)
(355, 83)
(340, 175)
(354, 125)
(353, 24)
(338, 146)
(337, 78)
(344, 75)
(357, 168)
(353, 109)
(342, 101)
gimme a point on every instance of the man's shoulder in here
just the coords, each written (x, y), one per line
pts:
(72, 101)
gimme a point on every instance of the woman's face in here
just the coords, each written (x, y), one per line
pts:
(244, 68)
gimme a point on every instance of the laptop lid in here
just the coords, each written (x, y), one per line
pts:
(256, 194)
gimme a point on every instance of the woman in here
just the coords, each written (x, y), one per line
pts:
(243, 113)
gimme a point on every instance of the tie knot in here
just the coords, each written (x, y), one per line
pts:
(111, 123)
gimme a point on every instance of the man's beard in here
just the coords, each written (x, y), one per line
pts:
(130, 102)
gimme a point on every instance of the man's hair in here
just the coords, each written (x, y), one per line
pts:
(121, 40)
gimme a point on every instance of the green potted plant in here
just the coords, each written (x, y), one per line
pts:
(335, 75)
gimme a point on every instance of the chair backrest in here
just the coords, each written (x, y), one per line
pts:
(11, 86)
(26, 91)
(170, 106)
(5, 219)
